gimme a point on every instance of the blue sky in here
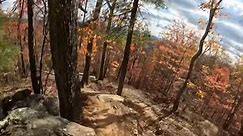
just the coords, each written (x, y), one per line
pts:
(229, 25)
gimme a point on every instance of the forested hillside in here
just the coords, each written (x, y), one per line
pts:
(87, 68)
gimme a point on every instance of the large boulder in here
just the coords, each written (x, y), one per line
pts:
(23, 98)
(14, 101)
(207, 128)
(24, 114)
(31, 122)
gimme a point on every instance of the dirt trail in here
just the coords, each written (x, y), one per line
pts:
(130, 115)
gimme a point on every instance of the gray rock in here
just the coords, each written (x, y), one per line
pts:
(46, 122)
(31, 122)
(206, 128)
(20, 116)
(75, 129)
(52, 105)
(37, 102)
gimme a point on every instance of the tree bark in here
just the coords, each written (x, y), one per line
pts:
(103, 55)
(213, 9)
(33, 69)
(241, 128)
(44, 33)
(97, 10)
(63, 42)
(235, 107)
(107, 62)
(123, 68)
(102, 61)
(22, 63)
(95, 16)
(231, 115)
(2, 1)
(85, 77)
(85, 8)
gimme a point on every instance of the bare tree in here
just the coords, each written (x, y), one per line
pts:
(103, 55)
(33, 69)
(233, 111)
(19, 37)
(97, 10)
(95, 16)
(1, 1)
(85, 77)
(123, 68)
(214, 5)
(238, 99)
(44, 33)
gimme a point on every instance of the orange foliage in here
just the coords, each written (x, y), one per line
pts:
(220, 78)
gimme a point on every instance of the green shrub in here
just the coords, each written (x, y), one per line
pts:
(8, 56)
(8, 51)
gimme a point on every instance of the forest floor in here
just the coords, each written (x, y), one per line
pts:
(133, 114)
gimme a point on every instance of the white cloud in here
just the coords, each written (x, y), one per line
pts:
(230, 28)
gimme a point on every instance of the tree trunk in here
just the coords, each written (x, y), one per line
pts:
(172, 80)
(103, 55)
(214, 112)
(123, 68)
(34, 78)
(118, 72)
(63, 42)
(223, 116)
(235, 107)
(107, 62)
(85, 8)
(129, 82)
(22, 63)
(44, 33)
(97, 10)
(241, 128)
(95, 17)
(195, 57)
(85, 77)
(231, 115)
(102, 61)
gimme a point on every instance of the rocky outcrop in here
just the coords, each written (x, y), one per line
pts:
(108, 115)
(132, 115)
(105, 114)
(13, 101)
(36, 115)
(23, 98)
(31, 122)
(207, 128)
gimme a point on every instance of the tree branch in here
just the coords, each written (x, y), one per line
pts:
(81, 8)
(2, 1)
(109, 4)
